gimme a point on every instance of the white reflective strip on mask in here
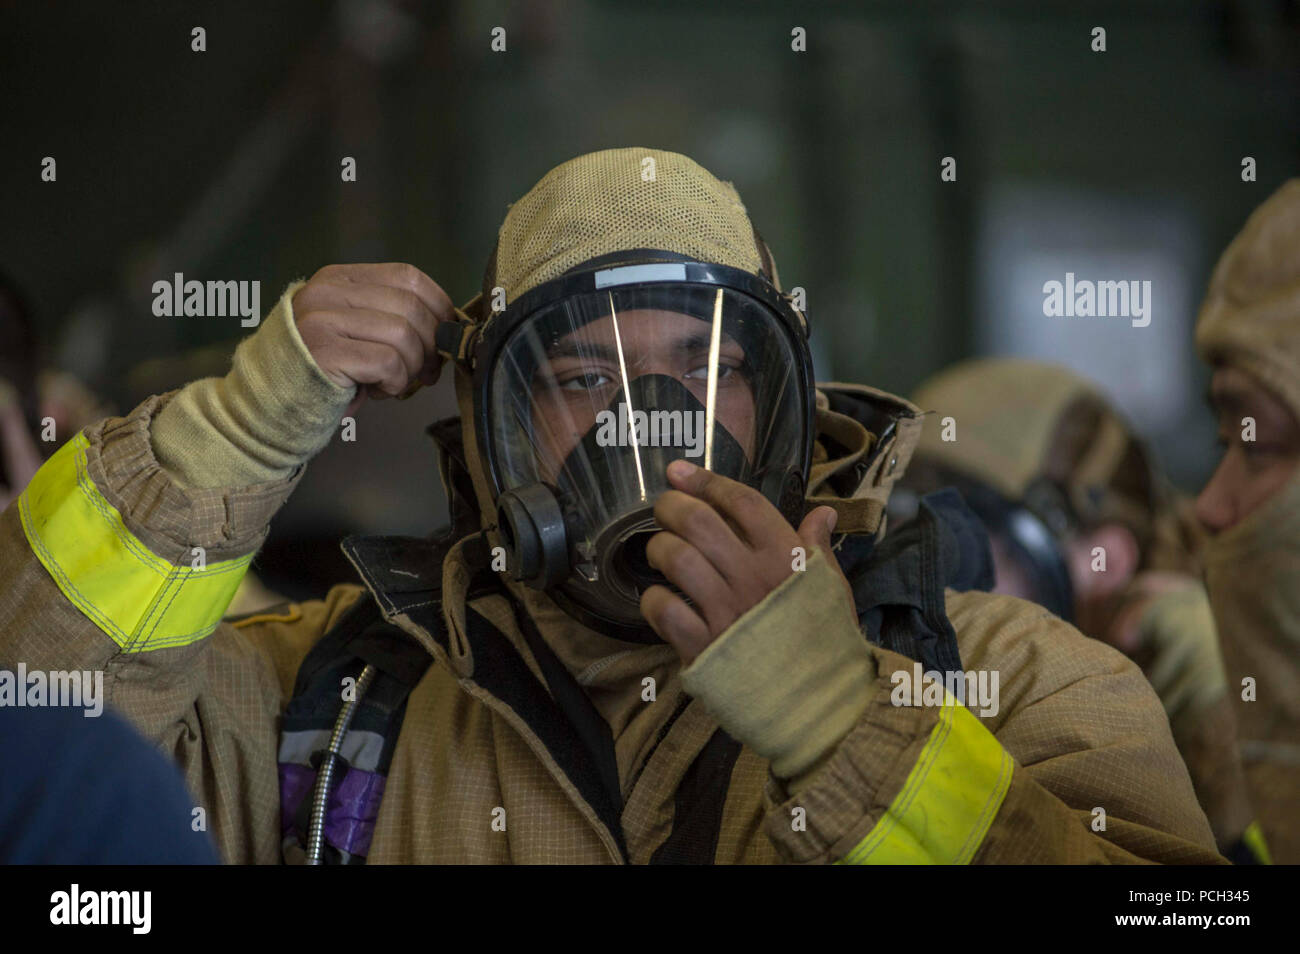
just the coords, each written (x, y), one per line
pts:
(629, 274)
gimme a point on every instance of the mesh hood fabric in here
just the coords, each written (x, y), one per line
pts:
(600, 203)
(1251, 313)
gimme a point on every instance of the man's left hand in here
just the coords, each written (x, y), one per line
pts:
(726, 547)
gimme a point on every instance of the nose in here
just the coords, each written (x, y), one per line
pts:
(1215, 508)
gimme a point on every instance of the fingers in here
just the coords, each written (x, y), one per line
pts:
(373, 303)
(382, 366)
(725, 547)
(371, 299)
(743, 535)
(695, 576)
(675, 622)
(695, 521)
(815, 533)
(380, 328)
(396, 275)
(365, 305)
(748, 510)
(815, 530)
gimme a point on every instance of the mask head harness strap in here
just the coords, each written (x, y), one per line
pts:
(455, 340)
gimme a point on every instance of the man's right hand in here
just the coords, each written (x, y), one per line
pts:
(373, 326)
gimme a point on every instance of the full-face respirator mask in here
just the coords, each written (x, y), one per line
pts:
(587, 386)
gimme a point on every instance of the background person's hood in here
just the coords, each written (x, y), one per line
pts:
(1043, 436)
(1251, 313)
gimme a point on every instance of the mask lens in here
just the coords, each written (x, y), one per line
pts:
(594, 395)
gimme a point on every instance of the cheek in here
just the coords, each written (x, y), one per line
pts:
(1216, 505)
(1240, 485)
(1263, 480)
(559, 428)
(736, 414)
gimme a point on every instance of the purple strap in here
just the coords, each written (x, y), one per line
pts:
(352, 809)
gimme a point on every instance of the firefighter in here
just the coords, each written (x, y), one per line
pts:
(606, 657)
(1248, 332)
(1082, 521)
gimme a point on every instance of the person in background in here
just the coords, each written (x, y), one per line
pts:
(1248, 332)
(20, 457)
(1082, 521)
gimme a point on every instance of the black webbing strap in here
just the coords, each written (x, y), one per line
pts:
(898, 584)
(698, 805)
(586, 721)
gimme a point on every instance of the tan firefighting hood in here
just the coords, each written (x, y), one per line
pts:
(1251, 320)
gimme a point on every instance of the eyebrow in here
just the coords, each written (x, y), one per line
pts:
(580, 349)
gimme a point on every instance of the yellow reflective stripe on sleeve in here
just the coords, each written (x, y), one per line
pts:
(1253, 836)
(139, 599)
(950, 798)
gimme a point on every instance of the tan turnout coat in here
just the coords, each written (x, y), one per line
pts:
(1078, 765)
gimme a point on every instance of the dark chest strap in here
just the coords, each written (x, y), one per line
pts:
(898, 584)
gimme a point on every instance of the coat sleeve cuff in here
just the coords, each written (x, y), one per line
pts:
(910, 783)
(167, 518)
(792, 676)
(272, 412)
(840, 801)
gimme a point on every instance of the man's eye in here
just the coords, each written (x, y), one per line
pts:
(585, 382)
(724, 370)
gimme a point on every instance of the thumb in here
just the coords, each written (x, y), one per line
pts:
(815, 531)
(355, 404)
